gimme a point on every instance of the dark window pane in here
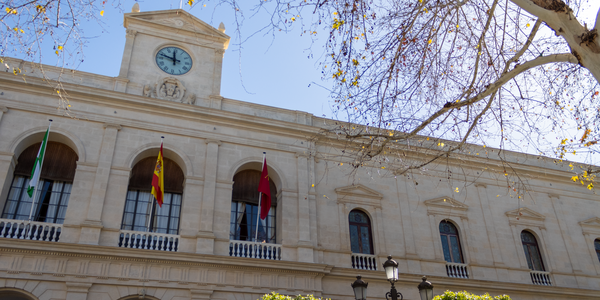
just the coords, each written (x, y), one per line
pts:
(450, 242)
(354, 239)
(446, 248)
(360, 232)
(532, 251)
(456, 257)
(365, 236)
(244, 209)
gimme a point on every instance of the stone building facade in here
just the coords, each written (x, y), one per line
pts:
(88, 239)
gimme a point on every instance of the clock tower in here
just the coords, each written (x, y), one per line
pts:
(172, 55)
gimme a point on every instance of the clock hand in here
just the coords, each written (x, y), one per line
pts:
(174, 56)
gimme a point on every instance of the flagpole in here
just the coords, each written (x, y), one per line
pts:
(152, 206)
(259, 198)
(36, 193)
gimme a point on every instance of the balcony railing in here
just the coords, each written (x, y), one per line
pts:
(25, 230)
(457, 270)
(540, 277)
(364, 261)
(255, 250)
(149, 240)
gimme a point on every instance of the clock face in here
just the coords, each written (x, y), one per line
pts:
(173, 60)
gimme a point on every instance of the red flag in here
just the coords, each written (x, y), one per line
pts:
(265, 189)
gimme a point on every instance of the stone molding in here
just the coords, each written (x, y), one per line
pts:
(591, 226)
(525, 217)
(446, 206)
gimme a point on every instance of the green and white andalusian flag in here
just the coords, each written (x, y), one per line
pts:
(37, 167)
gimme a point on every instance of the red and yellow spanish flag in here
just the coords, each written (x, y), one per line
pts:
(158, 180)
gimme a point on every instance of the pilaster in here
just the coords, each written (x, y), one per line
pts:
(77, 290)
(205, 237)
(90, 229)
(488, 219)
(305, 252)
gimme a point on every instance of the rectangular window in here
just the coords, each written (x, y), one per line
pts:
(52, 199)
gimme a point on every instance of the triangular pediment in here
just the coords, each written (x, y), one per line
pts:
(177, 19)
(525, 213)
(591, 226)
(595, 222)
(359, 191)
(447, 203)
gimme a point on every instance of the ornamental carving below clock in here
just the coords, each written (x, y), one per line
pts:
(168, 88)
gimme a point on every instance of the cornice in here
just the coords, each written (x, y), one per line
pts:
(37, 248)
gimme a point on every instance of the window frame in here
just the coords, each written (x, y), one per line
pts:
(447, 237)
(530, 245)
(360, 225)
(155, 210)
(597, 247)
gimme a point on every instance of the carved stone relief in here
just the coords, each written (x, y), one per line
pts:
(171, 89)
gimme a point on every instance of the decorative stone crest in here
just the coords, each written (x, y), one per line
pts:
(171, 89)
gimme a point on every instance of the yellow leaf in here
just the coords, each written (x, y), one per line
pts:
(102, 13)
(590, 186)
(430, 41)
(190, 2)
(60, 47)
(456, 190)
(383, 167)
(58, 92)
(575, 178)
(56, 52)
(313, 185)
(497, 196)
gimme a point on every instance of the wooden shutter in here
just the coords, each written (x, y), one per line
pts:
(60, 162)
(141, 175)
(245, 187)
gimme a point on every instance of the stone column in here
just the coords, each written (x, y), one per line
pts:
(519, 246)
(435, 237)
(312, 198)
(205, 236)
(77, 290)
(489, 224)
(564, 231)
(218, 67)
(3, 110)
(406, 222)
(121, 80)
(305, 247)
(8, 161)
(90, 229)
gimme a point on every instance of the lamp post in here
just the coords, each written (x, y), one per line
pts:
(391, 272)
(425, 289)
(360, 289)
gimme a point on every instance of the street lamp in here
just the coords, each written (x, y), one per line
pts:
(426, 289)
(391, 271)
(360, 289)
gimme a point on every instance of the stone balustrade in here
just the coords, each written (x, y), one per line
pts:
(364, 261)
(37, 231)
(255, 250)
(457, 270)
(540, 277)
(149, 240)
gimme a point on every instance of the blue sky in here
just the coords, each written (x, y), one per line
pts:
(275, 70)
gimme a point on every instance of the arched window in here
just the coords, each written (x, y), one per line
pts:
(53, 190)
(451, 242)
(140, 202)
(244, 209)
(532, 251)
(597, 246)
(361, 240)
